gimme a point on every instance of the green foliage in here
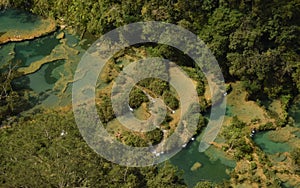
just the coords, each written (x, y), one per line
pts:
(167, 176)
(137, 97)
(235, 138)
(13, 101)
(253, 165)
(266, 126)
(228, 88)
(158, 86)
(170, 100)
(196, 74)
(134, 140)
(105, 110)
(256, 42)
(295, 154)
(205, 184)
(263, 49)
(201, 123)
(168, 118)
(155, 136)
(35, 153)
(285, 101)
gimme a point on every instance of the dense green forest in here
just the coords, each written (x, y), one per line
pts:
(53, 159)
(256, 42)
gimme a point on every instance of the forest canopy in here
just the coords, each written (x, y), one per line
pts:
(254, 41)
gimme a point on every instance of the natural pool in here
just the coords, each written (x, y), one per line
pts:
(48, 82)
(263, 140)
(213, 168)
(269, 146)
(43, 81)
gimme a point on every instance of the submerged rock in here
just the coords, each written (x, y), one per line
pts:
(196, 166)
(60, 35)
(63, 27)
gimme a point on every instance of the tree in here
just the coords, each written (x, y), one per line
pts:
(170, 100)
(137, 97)
(295, 154)
(35, 153)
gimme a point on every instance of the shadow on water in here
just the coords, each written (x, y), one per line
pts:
(21, 83)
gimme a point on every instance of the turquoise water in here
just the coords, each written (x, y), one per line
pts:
(263, 141)
(43, 82)
(6, 54)
(213, 170)
(17, 20)
(34, 50)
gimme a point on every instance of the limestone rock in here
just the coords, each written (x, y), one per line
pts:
(196, 166)
(60, 35)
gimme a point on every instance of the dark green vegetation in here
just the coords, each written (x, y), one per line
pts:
(52, 153)
(236, 139)
(12, 102)
(254, 41)
(137, 97)
(296, 157)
